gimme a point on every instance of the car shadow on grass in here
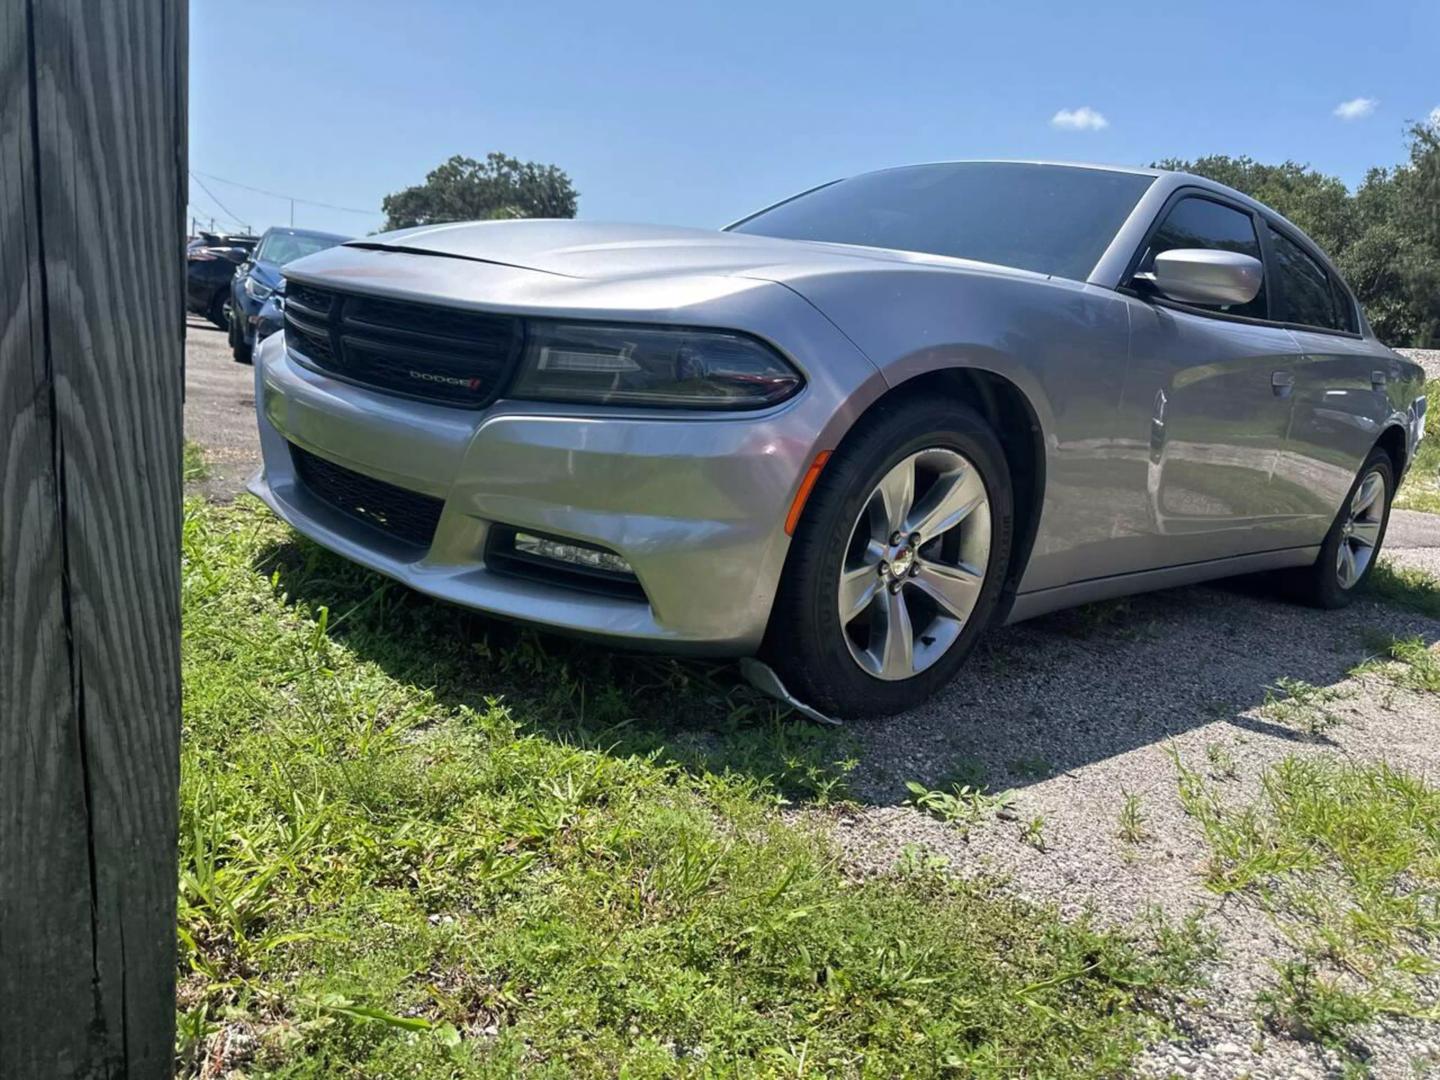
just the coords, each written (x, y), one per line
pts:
(1035, 700)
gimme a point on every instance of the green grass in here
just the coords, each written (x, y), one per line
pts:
(1345, 857)
(1421, 488)
(1132, 828)
(962, 805)
(1407, 587)
(1406, 662)
(1299, 704)
(415, 844)
(193, 465)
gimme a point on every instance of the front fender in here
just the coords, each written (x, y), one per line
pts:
(1064, 345)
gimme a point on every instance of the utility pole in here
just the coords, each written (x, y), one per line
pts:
(91, 376)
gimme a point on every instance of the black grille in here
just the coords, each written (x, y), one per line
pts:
(420, 350)
(405, 515)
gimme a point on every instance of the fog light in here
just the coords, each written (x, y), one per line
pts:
(579, 555)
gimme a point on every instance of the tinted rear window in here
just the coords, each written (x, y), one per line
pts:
(1306, 295)
(1053, 219)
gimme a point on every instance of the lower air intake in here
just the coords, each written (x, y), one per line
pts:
(395, 511)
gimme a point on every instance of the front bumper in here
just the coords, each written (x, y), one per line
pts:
(696, 505)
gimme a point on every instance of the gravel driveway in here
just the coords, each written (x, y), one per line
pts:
(219, 410)
(1076, 712)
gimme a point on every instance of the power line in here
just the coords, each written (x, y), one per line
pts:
(290, 198)
(217, 202)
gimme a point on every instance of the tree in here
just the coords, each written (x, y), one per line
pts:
(463, 189)
(1321, 205)
(1384, 237)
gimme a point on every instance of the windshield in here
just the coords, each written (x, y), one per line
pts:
(1053, 219)
(282, 248)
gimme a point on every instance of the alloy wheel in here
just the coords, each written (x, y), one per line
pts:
(1360, 532)
(915, 564)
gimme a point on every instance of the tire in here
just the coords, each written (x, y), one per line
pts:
(216, 311)
(1327, 584)
(843, 666)
(238, 349)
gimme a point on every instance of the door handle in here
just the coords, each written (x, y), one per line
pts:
(1282, 382)
(1378, 380)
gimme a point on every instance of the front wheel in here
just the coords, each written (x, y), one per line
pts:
(897, 565)
(1352, 547)
(238, 348)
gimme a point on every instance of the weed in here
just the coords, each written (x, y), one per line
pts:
(1420, 489)
(1132, 818)
(1222, 762)
(1032, 833)
(962, 805)
(1406, 662)
(193, 466)
(918, 862)
(1405, 586)
(1345, 858)
(1305, 1004)
(192, 1028)
(1297, 703)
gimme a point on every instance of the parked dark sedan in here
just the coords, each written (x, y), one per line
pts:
(210, 262)
(260, 275)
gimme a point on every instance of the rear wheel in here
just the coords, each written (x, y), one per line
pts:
(1352, 547)
(897, 564)
(219, 309)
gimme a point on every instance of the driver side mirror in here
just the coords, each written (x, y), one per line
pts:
(1205, 276)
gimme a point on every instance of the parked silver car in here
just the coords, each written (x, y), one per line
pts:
(846, 433)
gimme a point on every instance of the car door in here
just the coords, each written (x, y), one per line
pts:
(1208, 400)
(1340, 398)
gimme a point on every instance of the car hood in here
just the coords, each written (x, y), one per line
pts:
(267, 273)
(591, 250)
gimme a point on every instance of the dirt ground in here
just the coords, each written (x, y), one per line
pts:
(219, 409)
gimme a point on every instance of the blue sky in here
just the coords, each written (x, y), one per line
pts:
(686, 113)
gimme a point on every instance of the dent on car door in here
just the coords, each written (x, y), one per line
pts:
(1340, 400)
(1207, 404)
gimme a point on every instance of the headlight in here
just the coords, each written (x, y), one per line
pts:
(257, 289)
(620, 365)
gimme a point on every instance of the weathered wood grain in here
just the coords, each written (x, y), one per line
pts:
(92, 161)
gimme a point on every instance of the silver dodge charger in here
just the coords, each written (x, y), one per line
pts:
(848, 433)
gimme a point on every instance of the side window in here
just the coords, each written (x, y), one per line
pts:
(1304, 293)
(1344, 307)
(1194, 222)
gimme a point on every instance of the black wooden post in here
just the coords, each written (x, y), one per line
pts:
(92, 163)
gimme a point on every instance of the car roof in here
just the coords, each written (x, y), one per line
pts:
(1100, 166)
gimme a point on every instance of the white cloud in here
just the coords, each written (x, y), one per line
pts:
(1082, 119)
(1356, 108)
